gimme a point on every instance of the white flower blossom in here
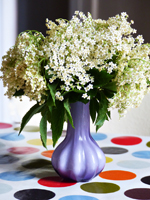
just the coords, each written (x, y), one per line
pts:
(84, 95)
(70, 50)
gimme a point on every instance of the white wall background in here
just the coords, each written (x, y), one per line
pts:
(136, 122)
(10, 110)
(8, 27)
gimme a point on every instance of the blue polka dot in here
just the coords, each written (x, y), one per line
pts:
(4, 188)
(133, 164)
(99, 136)
(12, 137)
(16, 176)
(142, 154)
(78, 197)
(1, 145)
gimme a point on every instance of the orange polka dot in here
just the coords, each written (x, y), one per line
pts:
(47, 153)
(117, 175)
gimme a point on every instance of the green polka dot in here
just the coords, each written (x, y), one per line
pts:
(100, 187)
(29, 129)
(148, 144)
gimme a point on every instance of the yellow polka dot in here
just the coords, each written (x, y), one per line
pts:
(38, 142)
(108, 160)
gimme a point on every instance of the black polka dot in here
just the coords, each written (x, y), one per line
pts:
(7, 159)
(114, 150)
(37, 194)
(146, 180)
(37, 163)
(138, 193)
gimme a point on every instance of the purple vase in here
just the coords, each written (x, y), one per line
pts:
(78, 157)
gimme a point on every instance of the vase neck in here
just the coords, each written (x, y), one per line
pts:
(81, 120)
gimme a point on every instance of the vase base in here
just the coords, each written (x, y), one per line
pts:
(70, 178)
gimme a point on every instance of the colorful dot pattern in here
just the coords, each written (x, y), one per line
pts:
(38, 142)
(26, 171)
(78, 197)
(55, 181)
(126, 140)
(11, 137)
(37, 194)
(16, 176)
(22, 150)
(117, 175)
(100, 187)
(5, 125)
(28, 129)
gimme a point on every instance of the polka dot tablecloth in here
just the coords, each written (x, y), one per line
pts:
(26, 172)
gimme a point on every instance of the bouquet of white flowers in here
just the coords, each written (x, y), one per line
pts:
(79, 60)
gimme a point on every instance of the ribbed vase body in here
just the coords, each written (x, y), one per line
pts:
(78, 157)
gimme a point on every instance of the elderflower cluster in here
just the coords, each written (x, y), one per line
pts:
(70, 50)
(21, 69)
(132, 79)
(76, 46)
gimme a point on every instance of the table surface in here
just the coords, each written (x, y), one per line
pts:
(26, 172)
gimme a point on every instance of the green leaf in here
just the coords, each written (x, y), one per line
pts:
(50, 105)
(102, 111)
(35, 109)
(78, 91)
(108, 115)
(111, 86)
(100, 123)
(93, 109)
(101, 78)
(50, 101)
(46, 109)
(92, 93)
(49, 115)
(57, 121)
(109, 93)
(52, 87)
(67, 108)
(18, 93)
(43, 129)
(85, 101)
(65, 117)
(73, 97)
(148, 82)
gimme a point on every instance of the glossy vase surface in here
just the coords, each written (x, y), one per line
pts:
(78, 157)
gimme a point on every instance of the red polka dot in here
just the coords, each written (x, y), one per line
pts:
(55, 181)
(23, 150)
(126, 140)
(5, 125)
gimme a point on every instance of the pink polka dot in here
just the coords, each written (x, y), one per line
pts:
(23, 150)
(5, 125)
(126, 140)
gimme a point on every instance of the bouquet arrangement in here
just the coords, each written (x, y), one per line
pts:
(79, 60)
